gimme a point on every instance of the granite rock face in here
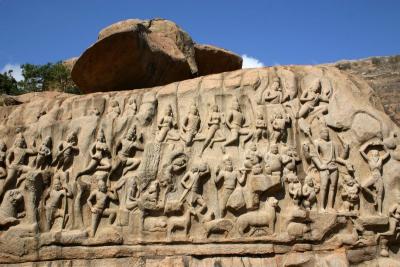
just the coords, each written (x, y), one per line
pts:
(145, 53)
(282, 166)
(383, 75)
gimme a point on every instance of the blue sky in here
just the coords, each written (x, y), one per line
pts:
(272, 32)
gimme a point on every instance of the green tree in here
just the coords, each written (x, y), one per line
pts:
(8, 85)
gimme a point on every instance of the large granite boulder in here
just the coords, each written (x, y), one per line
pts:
(144, 53)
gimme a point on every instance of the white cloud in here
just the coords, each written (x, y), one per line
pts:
(16, 71)
(251, 62)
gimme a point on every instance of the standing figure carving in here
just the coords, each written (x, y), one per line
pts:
(237, 124)
(326, 159)
(98, 202)
(53, 203)
(279, 125)
(309, 192)
(375, 163)
(114, 110)
(43, 158)
(229, 178)
(131, 108)
(214, 129)
(350, 194)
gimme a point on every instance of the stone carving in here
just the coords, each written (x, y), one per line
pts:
(326, 159)
(101, 197)
(214, 125)
(375, 163)
(162, 184)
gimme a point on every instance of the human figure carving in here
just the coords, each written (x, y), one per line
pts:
(131, 108)
(261, 130)
(17, 162)
(214, 129)
(273, 161)
(165, 125)
(273, 94)
(294, 188)
(290, 159)
(350, 194)
(191, 125)
(279, 127)
(236, 122)
(114, 110)
(53, 210)
(310, 98)
(100, 156)
(66, 150)
(192, 182)
(309, 192)
(125, 152)
(375, 163)
(252, 156)
(394, 228)
(43, 158)
(229, 178)
(326, 159)
(98, 201)
(264, 216)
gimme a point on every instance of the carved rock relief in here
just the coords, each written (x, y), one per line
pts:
(280, 155)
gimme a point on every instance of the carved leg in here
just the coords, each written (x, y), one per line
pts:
(324, 176)
(131, 164)
(118, 163)
(233, 139)
(223, 199)
(332, 188)
(89, 169)
(49, 218)
(95, 223)
(379, 194)
(162, 134)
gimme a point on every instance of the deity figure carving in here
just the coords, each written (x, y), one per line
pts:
(264, 216)
(214, 129)
(261, 129)
(228, 177)
(350, 194)
(147, 109)
(294, 188)
(310, 98)
(274, 94)
(165, 125)
(236, 122)
(66, 150)
(125, 151)
(114, 110)
(131, 107)
(3, 153)
(375, 162)
(43, 158)
(191, 126)
(57, 194)
(98, 202)
(326, 159)
(8, 208)
(252, 156)
(100, 156)
(309, 192)
(279, 125)
(256, 184)
(17, 162)
(394, 228)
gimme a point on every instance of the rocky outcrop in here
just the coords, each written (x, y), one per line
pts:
(383, 75)
(145, 53)
(282, 166)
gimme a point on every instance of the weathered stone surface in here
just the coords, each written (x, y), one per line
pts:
(145, 53)
(261, 167)
(383, 75)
